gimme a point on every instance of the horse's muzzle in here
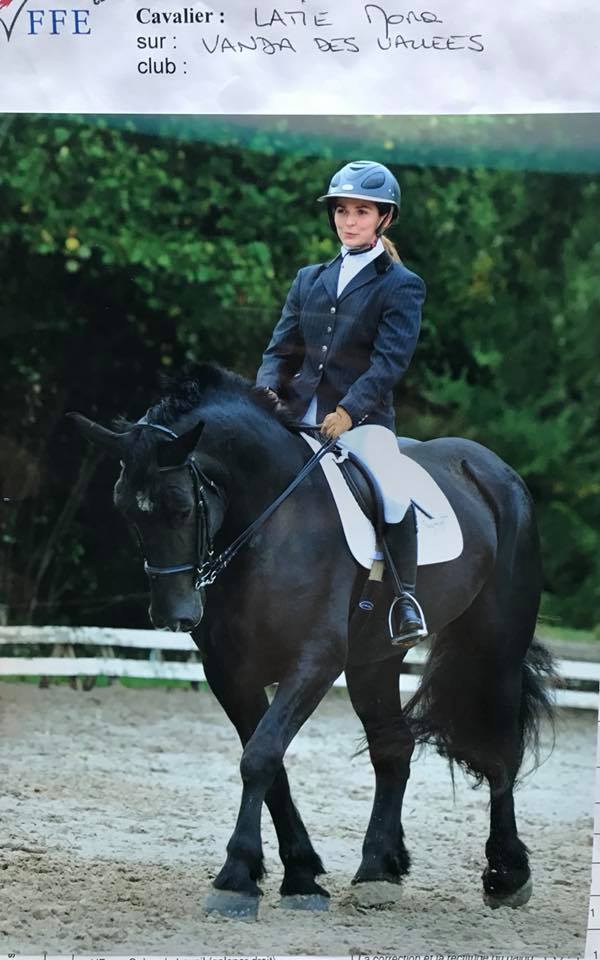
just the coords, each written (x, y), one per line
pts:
(176, 622)
(177, 626)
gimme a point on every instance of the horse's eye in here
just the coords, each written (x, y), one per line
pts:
(179, 513)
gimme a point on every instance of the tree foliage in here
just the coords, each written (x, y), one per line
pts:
(126, 252)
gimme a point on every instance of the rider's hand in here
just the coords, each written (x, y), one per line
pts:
(336, 423)
(271, 393)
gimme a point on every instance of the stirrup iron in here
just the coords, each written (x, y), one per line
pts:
(411, 639)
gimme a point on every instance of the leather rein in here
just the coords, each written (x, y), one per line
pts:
(207, 571)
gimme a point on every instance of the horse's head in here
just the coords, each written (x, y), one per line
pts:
(174, 507)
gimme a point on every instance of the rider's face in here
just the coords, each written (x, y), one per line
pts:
(356, 221)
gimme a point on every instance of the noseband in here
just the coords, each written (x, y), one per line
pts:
(204, 544)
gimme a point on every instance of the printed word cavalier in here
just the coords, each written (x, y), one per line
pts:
(186, 15)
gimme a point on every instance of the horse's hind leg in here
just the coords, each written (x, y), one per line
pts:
(375, 696)
(474, 707)
(506, 613)
(507, 877)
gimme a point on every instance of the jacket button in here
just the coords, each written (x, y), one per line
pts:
(329, 329)
(320, 367)
(324, 348)
(332, 309)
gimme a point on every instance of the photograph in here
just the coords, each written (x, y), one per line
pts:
(299, 533)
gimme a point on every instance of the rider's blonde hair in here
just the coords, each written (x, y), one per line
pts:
(390, 248)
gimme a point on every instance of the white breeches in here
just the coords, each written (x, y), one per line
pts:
(377, 447)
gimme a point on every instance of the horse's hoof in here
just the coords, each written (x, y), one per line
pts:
(374, 895)
(516, 899)
(227, 903)
(305, 901)
(361, 878)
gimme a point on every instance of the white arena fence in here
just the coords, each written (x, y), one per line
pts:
(66, 660)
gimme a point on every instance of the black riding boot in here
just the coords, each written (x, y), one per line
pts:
(406, 620)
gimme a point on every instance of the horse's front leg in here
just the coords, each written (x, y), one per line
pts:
(245, 705)
(301, 863)
(375, 696)
(299, 692)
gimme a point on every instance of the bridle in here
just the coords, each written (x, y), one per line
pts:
(204, 542)
(208, 570)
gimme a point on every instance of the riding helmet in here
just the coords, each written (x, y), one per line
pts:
(364, 180)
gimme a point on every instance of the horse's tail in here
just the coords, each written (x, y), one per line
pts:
(485, 688)
(539, 675)
(449, 710)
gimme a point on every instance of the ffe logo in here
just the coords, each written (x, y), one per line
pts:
(43, 20)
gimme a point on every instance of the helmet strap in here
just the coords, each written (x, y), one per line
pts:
(364, 247)
(380, 226)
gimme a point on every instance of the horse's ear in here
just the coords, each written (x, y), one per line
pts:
(113, 443)
(174, 452)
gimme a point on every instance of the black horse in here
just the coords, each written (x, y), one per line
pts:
(201, 466)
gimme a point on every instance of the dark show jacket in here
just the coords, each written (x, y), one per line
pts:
(350, 350)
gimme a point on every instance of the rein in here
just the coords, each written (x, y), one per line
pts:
(208, 571)
(211, 570)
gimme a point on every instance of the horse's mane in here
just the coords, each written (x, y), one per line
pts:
(199, 384)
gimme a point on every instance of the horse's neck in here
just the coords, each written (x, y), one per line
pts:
(259, 466)
(270, 460)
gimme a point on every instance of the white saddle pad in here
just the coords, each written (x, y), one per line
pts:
(439, 538)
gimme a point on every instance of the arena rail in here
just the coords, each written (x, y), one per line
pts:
(67, 661)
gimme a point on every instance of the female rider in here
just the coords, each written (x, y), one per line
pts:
(346, 336)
